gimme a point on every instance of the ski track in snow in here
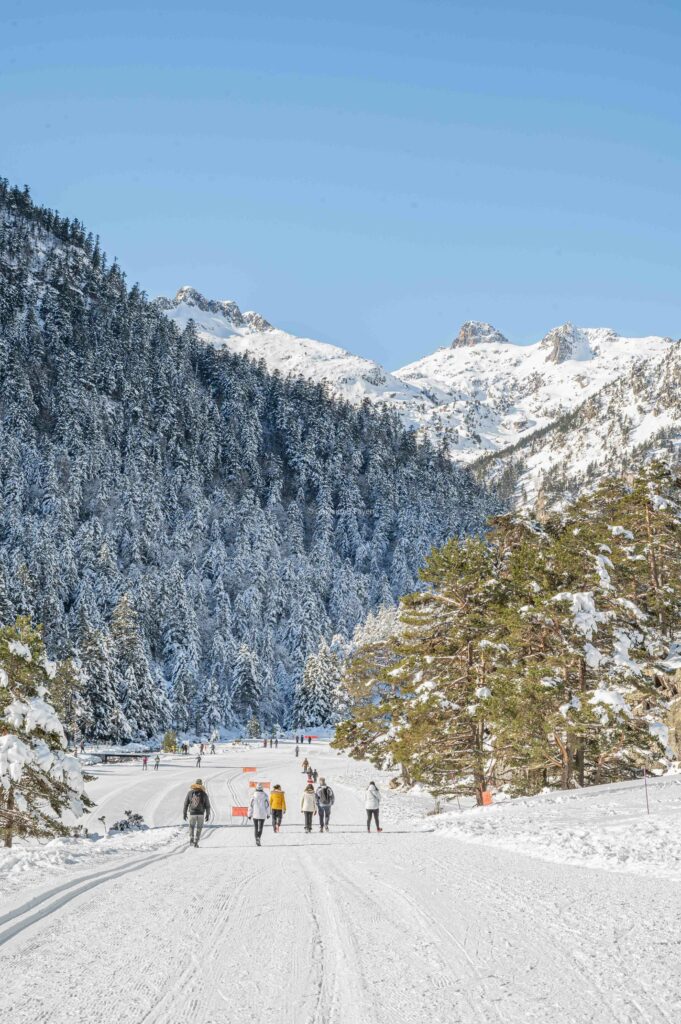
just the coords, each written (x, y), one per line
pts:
(345, 928)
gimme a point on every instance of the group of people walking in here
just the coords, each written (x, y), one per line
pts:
(313, 803)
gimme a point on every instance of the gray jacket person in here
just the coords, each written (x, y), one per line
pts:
(197, 806)
(325, 799)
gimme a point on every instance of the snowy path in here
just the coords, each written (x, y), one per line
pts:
(344, 928)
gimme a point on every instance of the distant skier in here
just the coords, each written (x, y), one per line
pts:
(308, 806)
(325, 800)
(258, 810)
(276, 743)
(309, 739)
(198, 760)
(277, 806)
(157, 761)
(271, 741)
(197, 806)
(145, 763)
(201, 746)
(306, 765)
(315, 776)
(297, 751)
(372, 802)
(212, 748)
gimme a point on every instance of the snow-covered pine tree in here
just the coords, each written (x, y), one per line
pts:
(39, 780)
(318, 694)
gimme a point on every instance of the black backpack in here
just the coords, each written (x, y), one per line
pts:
(324, 795)
(196, 802)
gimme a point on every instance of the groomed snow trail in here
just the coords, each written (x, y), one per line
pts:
(344, 928)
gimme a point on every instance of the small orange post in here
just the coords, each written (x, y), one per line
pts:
(486, 798)
(239, 812)
(249, 769)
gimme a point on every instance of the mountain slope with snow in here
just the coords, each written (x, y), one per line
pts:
(492, 395)
(482, 397)
(609, 433)
(222, 325)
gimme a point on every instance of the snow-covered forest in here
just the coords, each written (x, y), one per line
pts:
(186, 527)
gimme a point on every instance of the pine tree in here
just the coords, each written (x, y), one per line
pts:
(39, 781)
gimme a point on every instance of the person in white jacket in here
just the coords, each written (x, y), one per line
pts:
(372, 802)
(308, 805)
(258, 810)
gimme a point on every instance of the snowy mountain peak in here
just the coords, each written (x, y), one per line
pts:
(567, 342)
(476, 332)
(257, 322)
(225, 307)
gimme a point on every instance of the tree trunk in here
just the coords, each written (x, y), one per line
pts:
(580, 753)
(9, 806)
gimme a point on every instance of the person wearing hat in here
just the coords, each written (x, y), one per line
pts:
(197, 806)
(325, 799)
(258, 810)
(308, 806)
(277, 806)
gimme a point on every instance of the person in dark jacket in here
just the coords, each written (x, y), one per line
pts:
(197, 806)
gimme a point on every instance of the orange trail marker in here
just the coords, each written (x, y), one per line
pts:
(239, 812)
(486, 798)
(249, 769)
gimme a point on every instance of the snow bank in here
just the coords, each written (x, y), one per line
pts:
(24, 866)
(600, 827)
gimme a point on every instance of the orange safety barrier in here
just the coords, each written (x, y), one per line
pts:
(486, 797)
(249, 769)
(252, 784)
(239, 812)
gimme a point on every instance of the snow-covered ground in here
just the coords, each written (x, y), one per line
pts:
(561, 909)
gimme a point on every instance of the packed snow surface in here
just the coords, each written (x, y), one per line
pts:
(563, 908)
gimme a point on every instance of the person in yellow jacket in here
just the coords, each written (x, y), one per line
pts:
(277, 806)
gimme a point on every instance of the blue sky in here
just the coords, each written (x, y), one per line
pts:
(371, 174)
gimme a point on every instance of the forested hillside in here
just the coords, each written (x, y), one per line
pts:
(185, 525)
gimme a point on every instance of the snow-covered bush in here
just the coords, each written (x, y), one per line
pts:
(132, 822)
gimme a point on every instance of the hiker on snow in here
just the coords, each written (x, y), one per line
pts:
(372, 802)
(258, 810)
(198, 760)
(197, 805)
(315, 776)
(306, 765)
(308, 806)
(157, 761)
(277, 806)
(325, 799)
(145, 762)
(296, 751)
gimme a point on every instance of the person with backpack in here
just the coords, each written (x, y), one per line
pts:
(145, 763)
(325, 800)
(197, 806)
(157, 761)
(277, 806)
(308, 806)
(372, 802)
(306, 765)
(258, 810)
